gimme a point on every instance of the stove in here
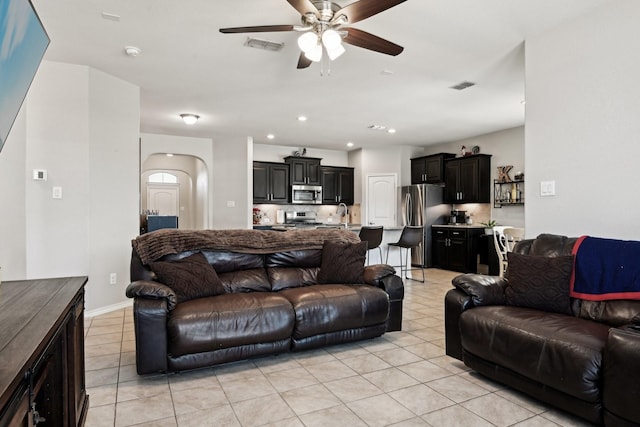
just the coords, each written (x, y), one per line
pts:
(301, 218)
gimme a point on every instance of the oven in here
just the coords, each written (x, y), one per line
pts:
(306, 194)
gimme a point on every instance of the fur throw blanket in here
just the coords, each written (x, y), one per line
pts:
(153, 246)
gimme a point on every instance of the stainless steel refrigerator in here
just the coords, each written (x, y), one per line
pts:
(422, 205)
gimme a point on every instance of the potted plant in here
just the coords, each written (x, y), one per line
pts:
(488, 226)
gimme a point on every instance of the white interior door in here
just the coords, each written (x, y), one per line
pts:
(381, 199)
(164, 198)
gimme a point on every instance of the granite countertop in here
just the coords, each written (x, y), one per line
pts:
(458, 226)
(352, 227)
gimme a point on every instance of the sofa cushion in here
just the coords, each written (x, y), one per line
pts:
(563, 352)
(328, 308)
(189, 277)
(229, 320)
(285, 278)
(342, 262)
(539, 282)
(252, 280)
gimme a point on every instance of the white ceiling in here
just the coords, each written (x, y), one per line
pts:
(188, 66)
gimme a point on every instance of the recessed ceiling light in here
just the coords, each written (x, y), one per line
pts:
(349, 144)
(190, 119)
(391, 130)
(302, 118)
(169, 155)
(271, 136)
(387, 72)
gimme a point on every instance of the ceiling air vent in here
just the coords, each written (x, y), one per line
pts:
(463, 85)
(263, 44)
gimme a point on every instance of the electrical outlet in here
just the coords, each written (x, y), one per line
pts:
(113, 278)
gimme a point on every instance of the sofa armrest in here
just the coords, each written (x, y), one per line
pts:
(383, 276)
(373, 274)
(152, 290)
(483, 290)
(150, 318)
(621, 370)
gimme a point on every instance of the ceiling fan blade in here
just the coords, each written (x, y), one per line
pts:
(258, 29)
(303, 61)
(365, 8)
(303, 6)
(369, 41)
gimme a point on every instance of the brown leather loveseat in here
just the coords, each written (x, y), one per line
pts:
(207, 297)
(578, 355)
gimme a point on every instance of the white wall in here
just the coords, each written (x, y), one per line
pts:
(506, 148)
(13, 180)
(233, 179)
(82, 126)
(582, 125)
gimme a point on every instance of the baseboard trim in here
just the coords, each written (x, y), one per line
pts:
(108, 309)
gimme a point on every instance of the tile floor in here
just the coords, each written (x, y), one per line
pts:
(400, 379)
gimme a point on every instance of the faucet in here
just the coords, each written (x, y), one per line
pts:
(346, 212)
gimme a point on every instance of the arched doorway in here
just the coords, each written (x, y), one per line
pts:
(176, 185)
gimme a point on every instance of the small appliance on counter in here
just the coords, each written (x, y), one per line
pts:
(458, 217)
(280, 216)
(302, 219)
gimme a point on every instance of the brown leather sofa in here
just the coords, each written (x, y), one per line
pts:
(271, 300)
(585, 361)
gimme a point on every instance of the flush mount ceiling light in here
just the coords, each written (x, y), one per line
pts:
(302, 118)
(190, 119)
(132, 51)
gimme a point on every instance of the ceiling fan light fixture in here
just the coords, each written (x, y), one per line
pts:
(336, 52)
(308, 41)
(314, 54)
(190, 119)
(331, 39)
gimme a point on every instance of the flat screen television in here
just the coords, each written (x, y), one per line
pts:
(23, 42)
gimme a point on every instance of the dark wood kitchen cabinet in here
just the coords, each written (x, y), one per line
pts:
(337, 185)
(270, 183)
(304, 170)
(429, 169)
(42, 380)
(456, 248)
(467, 179)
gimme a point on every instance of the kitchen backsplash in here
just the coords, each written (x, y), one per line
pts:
(479, 212)
(324, 213)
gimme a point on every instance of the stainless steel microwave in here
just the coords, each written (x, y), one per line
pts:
(306, 194)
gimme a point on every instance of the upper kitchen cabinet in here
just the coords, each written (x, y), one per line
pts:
(467, 179)
(429, 169)
(337, 185)
(304, 170)
(270, 183)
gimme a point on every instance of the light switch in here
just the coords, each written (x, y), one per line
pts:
(547, 188)
(57, 192)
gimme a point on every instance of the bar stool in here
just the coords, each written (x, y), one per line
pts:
(410, 238)
(373, 237)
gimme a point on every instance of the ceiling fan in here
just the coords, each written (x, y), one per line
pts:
(324, 30)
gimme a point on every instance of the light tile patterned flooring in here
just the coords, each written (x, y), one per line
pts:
(400, 379)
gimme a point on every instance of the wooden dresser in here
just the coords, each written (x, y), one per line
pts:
(42, 353)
